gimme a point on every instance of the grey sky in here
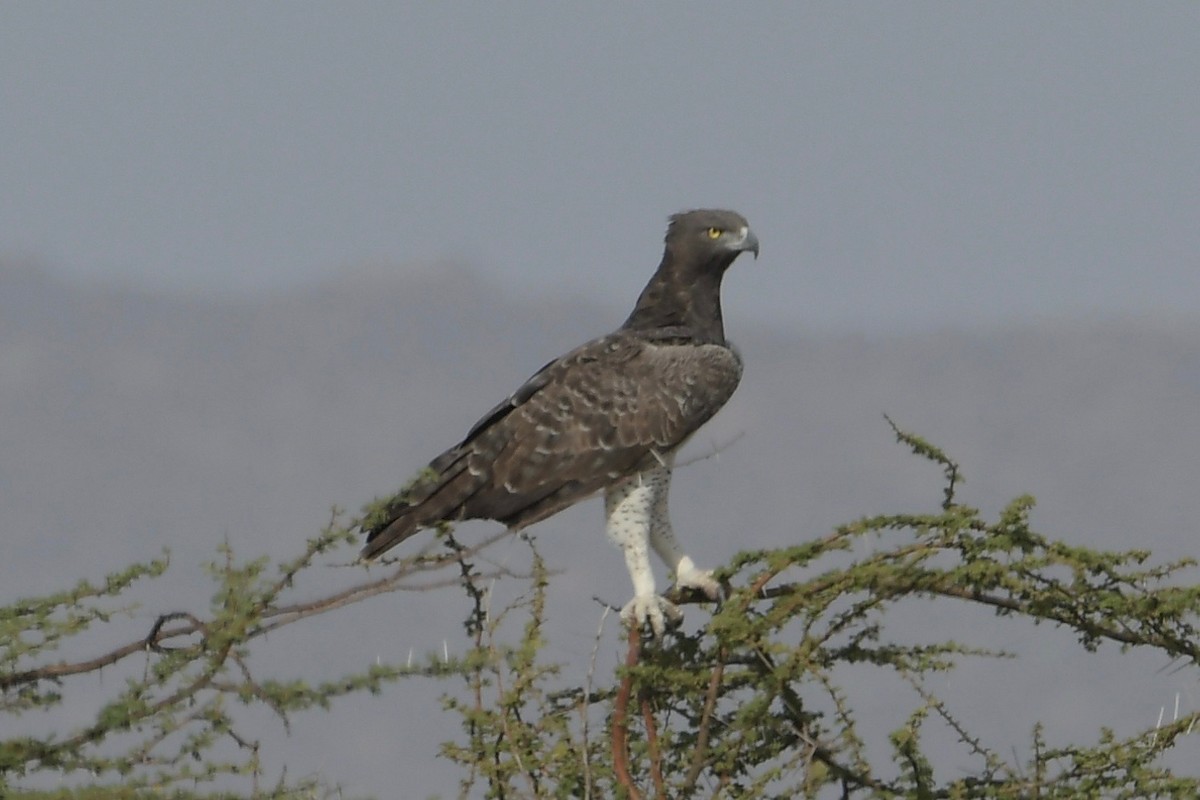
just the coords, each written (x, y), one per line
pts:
(904, 164)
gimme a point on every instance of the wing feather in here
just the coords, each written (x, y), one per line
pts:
(580, 423)
(598, 414)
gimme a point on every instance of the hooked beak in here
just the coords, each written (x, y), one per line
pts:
(747, 243)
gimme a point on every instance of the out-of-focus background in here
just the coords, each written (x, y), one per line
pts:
(259, 260)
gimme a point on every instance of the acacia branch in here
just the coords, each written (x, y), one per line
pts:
(656, 775)
(699, 757)
(620, 718)
(280, 616)
(1064, 612)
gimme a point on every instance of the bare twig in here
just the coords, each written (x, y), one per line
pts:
(279, 616)
(620, 723)
(584, 704)
(702, 733)
(154, 639)
(713, 452)
(656, 775)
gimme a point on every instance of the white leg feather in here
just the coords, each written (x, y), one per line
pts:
(638, 520)
(662, 539)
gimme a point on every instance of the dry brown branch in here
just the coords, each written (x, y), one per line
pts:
(1078, 621)
(702, 733)
(158, 637)
(656, 775)
(620, 723)
(713, 452)
(154, 639)
(583, 706)
(391, 583)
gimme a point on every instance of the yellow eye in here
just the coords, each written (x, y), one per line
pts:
(714, 233)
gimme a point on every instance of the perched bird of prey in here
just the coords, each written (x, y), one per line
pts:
(609, 415)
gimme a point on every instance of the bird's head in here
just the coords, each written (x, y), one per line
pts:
(711, 236)
(685, 291)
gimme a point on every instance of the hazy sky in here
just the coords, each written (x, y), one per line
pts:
(903, 164)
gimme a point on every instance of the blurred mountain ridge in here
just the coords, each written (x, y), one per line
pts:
(131, 421)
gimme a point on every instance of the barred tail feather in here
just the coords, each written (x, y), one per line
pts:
(383, 539)
(440, 497)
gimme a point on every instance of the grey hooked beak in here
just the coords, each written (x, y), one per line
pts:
(747, 243)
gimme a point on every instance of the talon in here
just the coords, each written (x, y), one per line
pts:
(699, 579)
(653, 610)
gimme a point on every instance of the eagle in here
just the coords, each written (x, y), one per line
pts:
(609, 415)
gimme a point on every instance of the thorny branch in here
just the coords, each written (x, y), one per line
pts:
(656, 773)
(620, 718)
(280, 616)
(1066, 612)
(741, 659)
(699, 756)
(585, 750)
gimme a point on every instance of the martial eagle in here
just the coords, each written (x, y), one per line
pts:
(610, 414)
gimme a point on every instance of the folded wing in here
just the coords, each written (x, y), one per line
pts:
(582, 423)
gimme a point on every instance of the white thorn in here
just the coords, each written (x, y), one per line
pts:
(1175, 716)
(445, 651)
(487, 601)
(409, 664)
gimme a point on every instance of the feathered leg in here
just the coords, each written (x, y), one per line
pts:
(662, 539)
(628, 507)
(638, 520)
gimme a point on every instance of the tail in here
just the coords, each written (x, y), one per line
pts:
(382, 539)
(439, 494)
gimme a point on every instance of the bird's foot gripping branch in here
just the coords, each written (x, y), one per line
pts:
(765, 697)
